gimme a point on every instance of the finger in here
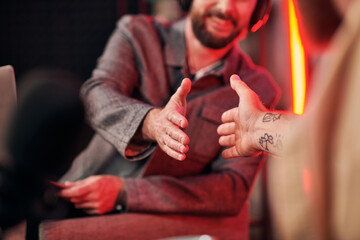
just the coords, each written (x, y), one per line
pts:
(91, 196)
(229, 153)
(69, 183)
(227, 141)
(172, 153)
(183, 90)
(75, 191)
(229, 115)
(92, 211)
(175, 145)
(77, 200)
(246, 95)
(226, 128)
(87, 205)
(81, 199)
(238, 85)
(247, 98)
(177, 119)
(178, 135)
(179, 97)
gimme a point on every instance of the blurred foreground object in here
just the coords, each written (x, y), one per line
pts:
(314, 190)
(42, 141)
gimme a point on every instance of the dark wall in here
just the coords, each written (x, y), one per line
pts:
(66, 34)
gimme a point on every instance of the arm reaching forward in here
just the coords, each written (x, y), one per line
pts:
(251, 128)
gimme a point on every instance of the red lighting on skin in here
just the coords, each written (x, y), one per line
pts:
(306, 181)
(298, 62)
(222, 27)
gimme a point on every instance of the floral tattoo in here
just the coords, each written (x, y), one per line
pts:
(268, 139)
(265, 140)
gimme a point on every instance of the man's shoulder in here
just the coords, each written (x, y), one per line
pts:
(135, 22)
(141, 22)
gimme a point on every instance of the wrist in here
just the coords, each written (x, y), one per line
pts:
(147, 125)
(259, 129)
(121, 199)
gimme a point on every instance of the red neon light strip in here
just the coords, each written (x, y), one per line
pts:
(298, 62)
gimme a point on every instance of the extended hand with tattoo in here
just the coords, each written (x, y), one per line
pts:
(250, 128)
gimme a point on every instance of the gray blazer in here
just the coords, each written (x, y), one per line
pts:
(141, 67)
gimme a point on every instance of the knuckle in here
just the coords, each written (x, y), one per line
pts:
(77, 192)
(80, 191)
(175, 144)
(167, 130)
(178, 145)
(169, 116)
(169, 152)
(96, 185)
(92, 178)
(172, 154)
(163, 141)
(179, 137)
(174, 135)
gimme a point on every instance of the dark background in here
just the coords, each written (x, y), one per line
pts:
(63, 34)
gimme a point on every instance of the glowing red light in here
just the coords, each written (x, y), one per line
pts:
(298, 62)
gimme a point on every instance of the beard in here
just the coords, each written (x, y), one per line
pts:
(209, 39)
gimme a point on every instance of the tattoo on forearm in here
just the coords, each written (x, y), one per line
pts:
(268, 140)
(265, 140)
(268, 117)
(278, 142)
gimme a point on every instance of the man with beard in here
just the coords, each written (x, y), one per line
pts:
(155, 101)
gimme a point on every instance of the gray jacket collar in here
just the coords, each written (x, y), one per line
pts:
(175, 47)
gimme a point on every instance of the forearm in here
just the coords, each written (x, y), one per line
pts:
(211, 194)
(109, 96)
(145, 131)
(142, 139)
(272, 130)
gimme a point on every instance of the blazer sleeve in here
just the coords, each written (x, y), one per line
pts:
(221, 192)
(111, 110)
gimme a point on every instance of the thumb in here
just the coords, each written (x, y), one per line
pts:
(180, 95)
(69, 183)
(184, 89)
(248, 99)
(246, 95)
(239, 86)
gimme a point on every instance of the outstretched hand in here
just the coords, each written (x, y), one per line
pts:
(164, 125)
(238, 128)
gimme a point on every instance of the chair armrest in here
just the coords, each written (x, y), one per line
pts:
(146, 226)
